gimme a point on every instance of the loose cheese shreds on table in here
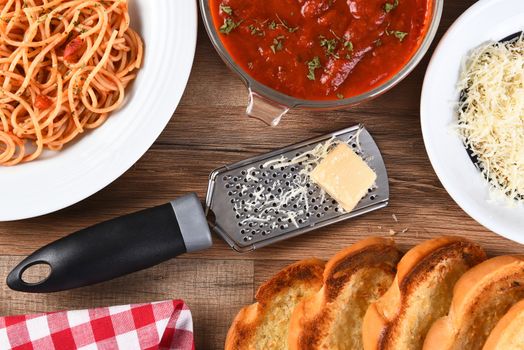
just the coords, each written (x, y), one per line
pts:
(491, 114)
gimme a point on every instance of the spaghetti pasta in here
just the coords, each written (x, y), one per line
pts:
(64, 67)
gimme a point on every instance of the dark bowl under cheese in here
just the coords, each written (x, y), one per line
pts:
(321, 49)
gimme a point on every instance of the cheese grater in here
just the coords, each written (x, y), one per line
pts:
(250, 204)
(272, 176)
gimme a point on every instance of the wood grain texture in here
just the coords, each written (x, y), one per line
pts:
(209, 130)
(214, 291)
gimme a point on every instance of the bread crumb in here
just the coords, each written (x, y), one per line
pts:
(394, 217)
(392, 232)
(405, 230)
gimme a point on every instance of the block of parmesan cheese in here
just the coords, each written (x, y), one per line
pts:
(344, 176)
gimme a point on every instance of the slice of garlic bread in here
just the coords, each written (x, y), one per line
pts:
(480, 298)
(508, 334)
(420, 294)
(264, 325)
(353, 278)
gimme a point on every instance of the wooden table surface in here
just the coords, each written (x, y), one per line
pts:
(208, 130)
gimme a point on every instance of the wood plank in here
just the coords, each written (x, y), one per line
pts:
(214, 291)
(209, 130)
(417, 199)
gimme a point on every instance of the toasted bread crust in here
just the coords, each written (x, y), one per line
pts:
(510, 323)
(312, 318)
(480, 299)
(384, 317)
(243, 329)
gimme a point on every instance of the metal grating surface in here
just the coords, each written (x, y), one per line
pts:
(253, 204)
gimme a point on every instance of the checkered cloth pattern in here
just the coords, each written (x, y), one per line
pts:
(160, 325)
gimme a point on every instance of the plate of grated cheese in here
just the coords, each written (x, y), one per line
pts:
(472, 114)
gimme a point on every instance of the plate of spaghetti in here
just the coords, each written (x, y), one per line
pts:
(86, 86)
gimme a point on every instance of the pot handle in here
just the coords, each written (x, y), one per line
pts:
(262, 108)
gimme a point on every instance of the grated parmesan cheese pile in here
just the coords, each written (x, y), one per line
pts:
(491, 114)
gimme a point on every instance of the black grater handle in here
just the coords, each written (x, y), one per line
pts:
(117, 247)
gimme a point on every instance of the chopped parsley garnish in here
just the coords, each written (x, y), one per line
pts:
(226, 9)
(400, 35)
(348, 45)
(285, 25)
(397, 34)
(256, 31)
(278, 44)
(228, 26)
(272, 25)
(340, 96)
(312, 65)
(378, 42)
(388, 7)
(330, 45)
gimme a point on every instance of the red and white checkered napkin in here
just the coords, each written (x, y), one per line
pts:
(161, 325)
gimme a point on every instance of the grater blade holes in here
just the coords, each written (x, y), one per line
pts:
(244, 186)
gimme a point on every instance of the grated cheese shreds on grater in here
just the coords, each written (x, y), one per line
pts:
(491, 114)
(261, 207)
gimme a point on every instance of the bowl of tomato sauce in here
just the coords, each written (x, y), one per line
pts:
(319, 54)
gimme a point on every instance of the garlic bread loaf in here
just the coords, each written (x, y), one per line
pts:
(508, 334)
(264, 325)
(353, 278)
(421, 293)
(480, 298)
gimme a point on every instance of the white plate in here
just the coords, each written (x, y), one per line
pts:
(58, 180)
(487, 20)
